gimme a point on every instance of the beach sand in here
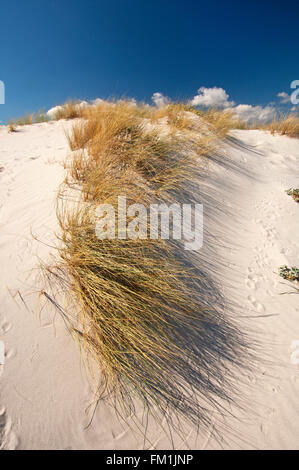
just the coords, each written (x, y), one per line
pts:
(46, 397)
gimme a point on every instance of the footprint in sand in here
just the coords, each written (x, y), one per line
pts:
(270, 233)
(256, 305)
(251, 282)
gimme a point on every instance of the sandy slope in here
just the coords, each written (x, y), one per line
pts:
(44, 393)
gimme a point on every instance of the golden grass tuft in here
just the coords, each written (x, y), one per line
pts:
(69, 110)
(20, 121)
(221, 121)
(11, 126)
(28, 119)
(176, 115)
(41, 116)
(139, 307)
(285, 125)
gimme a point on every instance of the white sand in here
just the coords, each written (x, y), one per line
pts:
(44, 392)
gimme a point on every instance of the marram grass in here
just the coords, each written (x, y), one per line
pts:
(285, 125)
(142, 309)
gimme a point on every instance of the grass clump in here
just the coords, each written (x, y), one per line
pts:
(41, 116)
(69, 110)
(285, 125)
(181, 117)
(220, 122)
(176, 115)
(11, 126)
(20, 121)
(141, 308)
(290, 274)
(294, 193)
(29, 119)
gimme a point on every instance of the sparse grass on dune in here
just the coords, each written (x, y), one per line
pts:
(285, 125)
(11, 126)
(27, 119)
(41, 116)
(176, 115)
(20, 121)
(139, 307)
(221, 121)
(179, 117)
(69, 110)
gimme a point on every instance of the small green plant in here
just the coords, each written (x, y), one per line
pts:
(290, 274)
(294, 193)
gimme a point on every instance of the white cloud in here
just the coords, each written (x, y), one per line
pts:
(247, 112)
(218, 97)
(160, 100)
(211, 97)
(53, 111)
(284, 97)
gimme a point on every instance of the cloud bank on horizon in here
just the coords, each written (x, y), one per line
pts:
(216, 97)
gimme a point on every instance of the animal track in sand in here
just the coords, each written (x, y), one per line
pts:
(260, 261)
(251, 281)
(257, 305)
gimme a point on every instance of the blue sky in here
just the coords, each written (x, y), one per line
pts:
(54, 50)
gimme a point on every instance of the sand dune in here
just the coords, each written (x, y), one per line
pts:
(250, 229)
